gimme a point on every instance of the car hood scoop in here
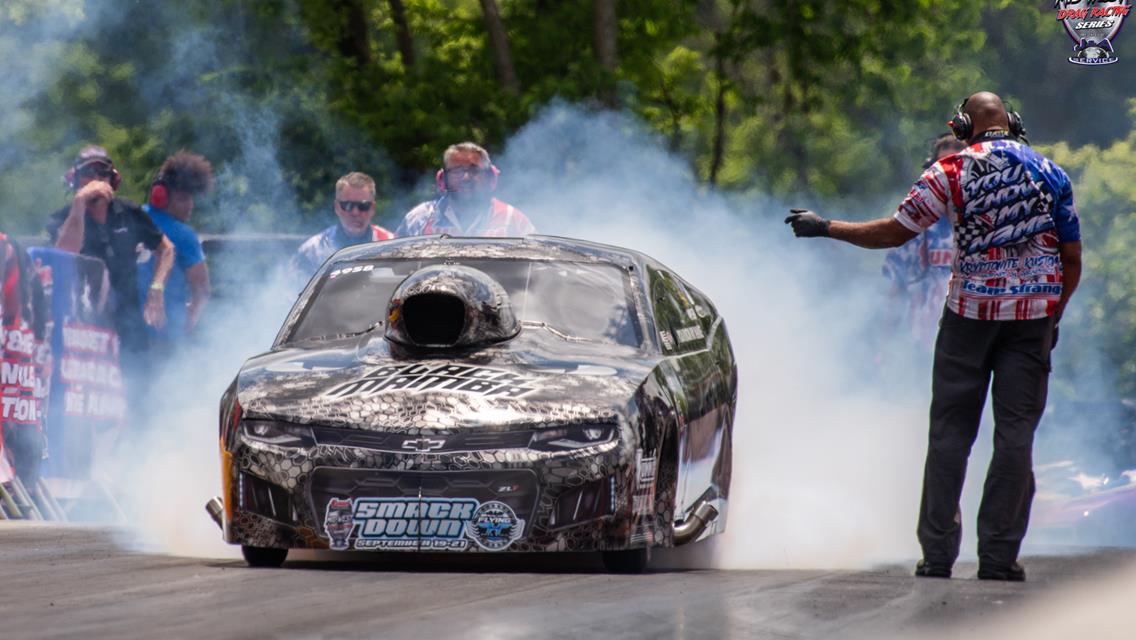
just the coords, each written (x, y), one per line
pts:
(444, 307)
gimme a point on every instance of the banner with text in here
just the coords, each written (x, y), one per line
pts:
(86, 403)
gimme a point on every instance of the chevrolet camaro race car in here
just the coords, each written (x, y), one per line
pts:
(447, 394)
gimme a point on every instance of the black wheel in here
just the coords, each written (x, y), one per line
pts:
(629, 561)
(263, 556)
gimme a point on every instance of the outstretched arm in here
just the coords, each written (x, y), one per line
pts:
(876, 234)
(883, 233)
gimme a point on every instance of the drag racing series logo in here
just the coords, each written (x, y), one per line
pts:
(1093, 25)
(338, 523)
(429, 524)
(494, 526)
(412, 378)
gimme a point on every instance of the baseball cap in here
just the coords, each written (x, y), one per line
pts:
(91, 154)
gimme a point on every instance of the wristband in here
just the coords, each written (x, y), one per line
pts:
(157, 286)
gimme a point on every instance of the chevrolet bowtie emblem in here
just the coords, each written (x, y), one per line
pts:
(422, 444)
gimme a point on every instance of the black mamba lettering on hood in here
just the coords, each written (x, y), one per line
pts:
(484, 381)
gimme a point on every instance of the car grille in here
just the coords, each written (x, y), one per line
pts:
(518, 489)
(265, 498)
(404, 443)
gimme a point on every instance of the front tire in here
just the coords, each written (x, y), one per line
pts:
(263, 556)
(630, 561)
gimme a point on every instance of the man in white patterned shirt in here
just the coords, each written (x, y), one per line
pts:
(1016, 264)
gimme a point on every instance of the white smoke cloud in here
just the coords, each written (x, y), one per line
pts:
(827, 457)
(171, 466)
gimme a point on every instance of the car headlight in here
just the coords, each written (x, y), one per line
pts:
(572, 437)
(280, 434)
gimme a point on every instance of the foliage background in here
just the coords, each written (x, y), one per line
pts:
(824, 102)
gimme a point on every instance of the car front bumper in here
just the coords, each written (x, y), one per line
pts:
(516, 499)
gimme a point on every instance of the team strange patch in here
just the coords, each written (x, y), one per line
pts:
(482, 381)
(427, 524)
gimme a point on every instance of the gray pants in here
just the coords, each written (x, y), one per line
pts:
(967, 353)
(24, 443)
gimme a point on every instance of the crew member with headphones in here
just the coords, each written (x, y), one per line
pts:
(465, 205)
(98, 224)
(1017, 262)
(181, 178)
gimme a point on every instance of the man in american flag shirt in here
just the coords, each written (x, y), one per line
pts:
(1017, 263)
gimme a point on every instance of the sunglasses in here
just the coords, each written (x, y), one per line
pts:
(461, 172)
(95, 173)
(349, 205)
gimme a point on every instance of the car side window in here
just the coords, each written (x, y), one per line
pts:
(704, 311)
(676, 320)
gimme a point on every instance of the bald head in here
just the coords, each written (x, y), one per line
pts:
(986, 112)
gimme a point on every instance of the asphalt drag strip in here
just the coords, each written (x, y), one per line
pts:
(73, 581)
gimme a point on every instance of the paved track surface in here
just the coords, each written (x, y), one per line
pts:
(64, 581)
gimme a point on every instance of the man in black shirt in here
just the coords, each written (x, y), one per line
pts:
(116, 231)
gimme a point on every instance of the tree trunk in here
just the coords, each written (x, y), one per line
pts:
(719, 119)
(402, 33)
(354, 42)
(606, 30)
(499, 43)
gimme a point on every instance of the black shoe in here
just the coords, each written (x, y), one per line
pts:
(925, 570)
(1013, 573)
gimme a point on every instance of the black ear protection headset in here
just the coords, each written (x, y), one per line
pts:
(963, 128)
(160, 191)
(71, 178)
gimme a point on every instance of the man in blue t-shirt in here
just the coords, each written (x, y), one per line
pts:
(181, 178)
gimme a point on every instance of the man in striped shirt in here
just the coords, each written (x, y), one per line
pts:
(1017, 263)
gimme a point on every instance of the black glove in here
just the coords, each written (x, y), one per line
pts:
(807, 224)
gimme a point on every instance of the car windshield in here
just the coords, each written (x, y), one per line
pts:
(573, 300)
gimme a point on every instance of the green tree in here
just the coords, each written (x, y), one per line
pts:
(1104, 309)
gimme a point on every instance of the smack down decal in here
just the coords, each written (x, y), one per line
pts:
(428, 524)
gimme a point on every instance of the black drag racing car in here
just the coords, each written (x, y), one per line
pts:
(444, 394)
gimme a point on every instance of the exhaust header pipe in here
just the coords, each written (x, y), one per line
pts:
(693, 526)
(216, 511)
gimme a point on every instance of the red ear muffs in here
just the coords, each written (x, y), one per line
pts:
(159, 193)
